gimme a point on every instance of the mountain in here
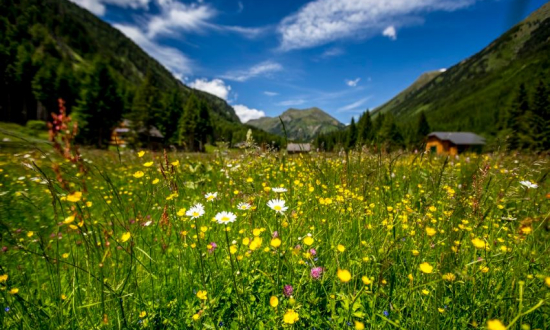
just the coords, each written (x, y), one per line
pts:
(48, 48)
(299, 124)
(475, 93)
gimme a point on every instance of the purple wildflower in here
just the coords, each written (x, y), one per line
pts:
(316, 272)
(288, 290)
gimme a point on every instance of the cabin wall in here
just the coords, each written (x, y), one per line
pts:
(441, 147)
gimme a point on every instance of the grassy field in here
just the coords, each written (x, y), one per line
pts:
(362, 241)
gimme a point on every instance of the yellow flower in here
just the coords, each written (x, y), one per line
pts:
(431, 231)
(201, 294)
(138, 174)
(425, 292)
(74, 197)
(308, 240)
(3, 278)
(274, 301)
(256, 232)
(344, 275)
(495, 325)
(196, 317)
(341, 248)
(449, 277)
(176, 163)
(526, 230)
(276, 242)
(546, 281)
(291, 317)
(255, 244)
(68, 219)
(141, 153)
(426, 268)
(143, 314)
(478, 243)
(65, 255)
(232, 249)
(126, 236)
(366, 280)
(14, 291)
(415, 252)
(30, 233)
(441, 310)
(359, 325)
(410, 277)
(89, 204)
(148, 164)
(246, 241)
(155, 181)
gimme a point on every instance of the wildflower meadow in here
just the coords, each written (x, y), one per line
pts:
(264, 240)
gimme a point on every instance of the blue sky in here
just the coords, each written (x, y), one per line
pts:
(343, 56)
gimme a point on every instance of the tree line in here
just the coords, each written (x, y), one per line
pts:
(523, 125)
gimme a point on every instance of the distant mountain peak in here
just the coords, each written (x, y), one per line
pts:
(300, 124)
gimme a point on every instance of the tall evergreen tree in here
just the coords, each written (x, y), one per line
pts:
(389, 134)
(187, 128)
(364, 128)
(515, 122)
(204, 125)
(541, 117)
(423, 128)
(146, 106)
(173, 105)
(99, 108)
(352, 134)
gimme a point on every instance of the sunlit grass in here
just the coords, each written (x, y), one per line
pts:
(319, 241)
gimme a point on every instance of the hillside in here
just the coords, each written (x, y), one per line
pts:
(48, 48)
(474, 94)
(300, 125)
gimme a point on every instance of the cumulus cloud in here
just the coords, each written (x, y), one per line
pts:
(98, 6)
(170, 57)
(323, 21)
(215, 87)
(245, 113)
(352, 83)
(354, 105)
(261, 69)
(390, 32)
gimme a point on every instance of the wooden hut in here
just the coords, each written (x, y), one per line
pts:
(453, 143)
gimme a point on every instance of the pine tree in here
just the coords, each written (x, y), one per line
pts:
(364, 129)
(541, 117)
(146, 106)
(389, 133)
(352, 134)
(173, 105)
(515, 123)
(99, 108)
(204, 125)
(423, 128)
(187, 128)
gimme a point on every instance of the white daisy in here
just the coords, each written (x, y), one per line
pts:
(224, 217)
(211, 196)
(529, 184)
(279, 189)
(278, 205)
(196, 211)
(243, 206)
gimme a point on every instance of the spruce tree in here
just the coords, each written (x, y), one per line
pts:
(541, 117)
(352, 134)
(187, 128)
(364, 128)
(173, 105)
(99, 108)
(389, 133)
(204, 125)
(515, 123)
(423, 128)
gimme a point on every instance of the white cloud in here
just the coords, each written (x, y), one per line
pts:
(215, 87)
(289, 103)
(323, 21)
(352, 83)
(170, 57)
(177, 16)
(261, 69)
(98, 6)
(332, 52)
(390, 32)
(245, 113)
(268, 93)
(354, 105)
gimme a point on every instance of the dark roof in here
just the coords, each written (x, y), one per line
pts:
(459, 138)
(298, 147)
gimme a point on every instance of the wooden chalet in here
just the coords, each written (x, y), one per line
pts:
(453, 143)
